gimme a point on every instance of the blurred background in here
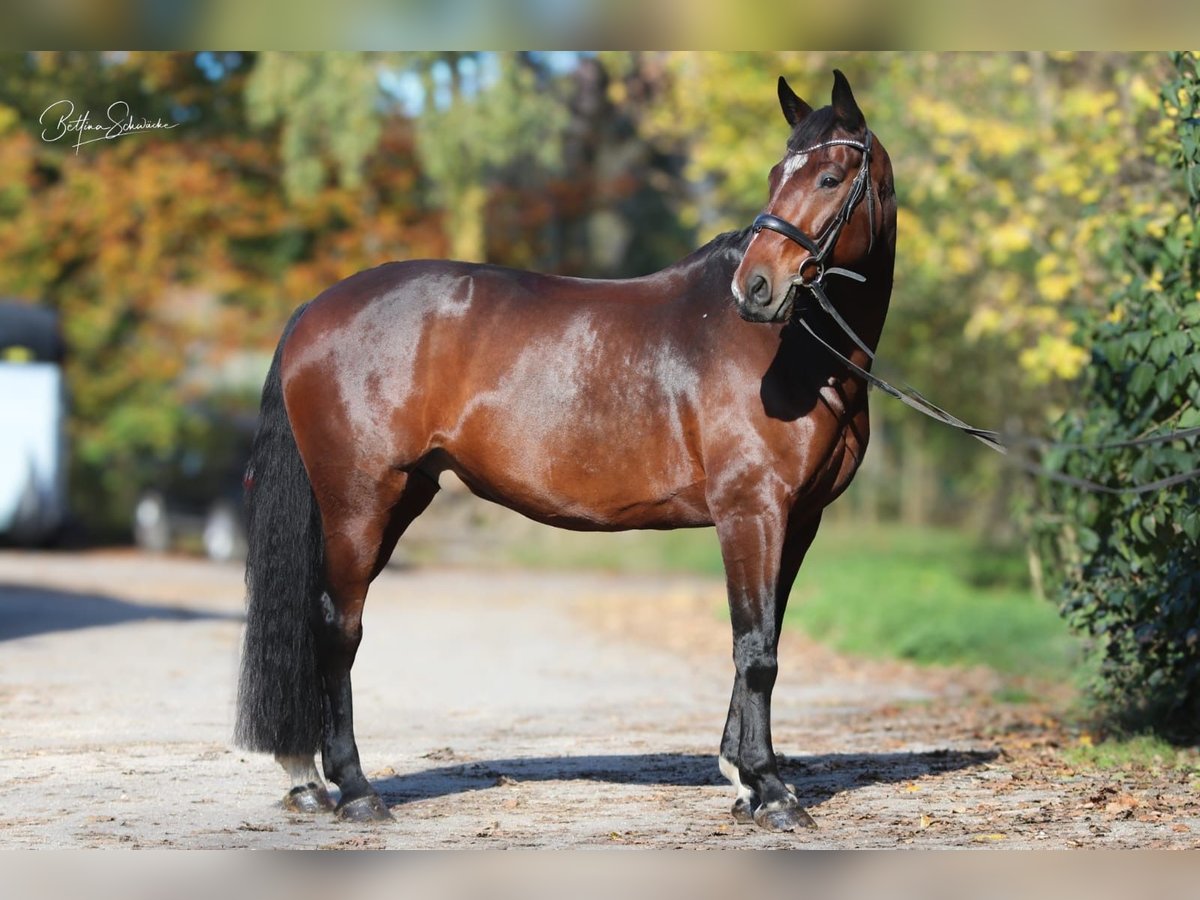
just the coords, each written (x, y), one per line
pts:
(163, 264)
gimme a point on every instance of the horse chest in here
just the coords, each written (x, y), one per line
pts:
(844, 421)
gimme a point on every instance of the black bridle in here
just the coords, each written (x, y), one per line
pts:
(821, 247)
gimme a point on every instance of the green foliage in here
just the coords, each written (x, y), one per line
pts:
(1129, 565)
(471, 135)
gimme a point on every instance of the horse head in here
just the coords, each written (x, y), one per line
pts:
(830, 205)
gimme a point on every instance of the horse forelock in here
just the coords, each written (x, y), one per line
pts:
(814, 128)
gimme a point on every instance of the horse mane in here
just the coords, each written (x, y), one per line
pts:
(728, 247)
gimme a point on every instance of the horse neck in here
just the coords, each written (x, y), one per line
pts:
(865, 306)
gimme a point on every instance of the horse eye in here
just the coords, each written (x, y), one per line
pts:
(828, 181)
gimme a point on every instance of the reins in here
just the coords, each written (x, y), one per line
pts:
(906, 394)
(819, 251)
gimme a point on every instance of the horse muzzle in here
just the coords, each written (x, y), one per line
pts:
(756, 297)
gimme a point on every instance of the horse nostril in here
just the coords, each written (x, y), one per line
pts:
(760, 290)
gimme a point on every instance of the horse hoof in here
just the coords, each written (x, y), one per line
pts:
(743, 811)
(787, 815)
(308, 799)
(364, 809)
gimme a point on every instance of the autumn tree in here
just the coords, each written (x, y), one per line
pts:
(170, 252)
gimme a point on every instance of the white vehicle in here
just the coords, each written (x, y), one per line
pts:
(33, 411)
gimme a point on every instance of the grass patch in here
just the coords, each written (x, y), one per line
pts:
(927, 595)
(1142, 752)
(930, 596)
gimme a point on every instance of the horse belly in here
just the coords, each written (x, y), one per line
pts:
(579, 481)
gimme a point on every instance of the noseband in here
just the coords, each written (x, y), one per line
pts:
(821, 248)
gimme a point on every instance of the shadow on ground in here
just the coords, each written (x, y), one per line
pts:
(26, 611)
(817, 778)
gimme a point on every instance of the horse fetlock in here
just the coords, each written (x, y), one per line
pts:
(743, 807)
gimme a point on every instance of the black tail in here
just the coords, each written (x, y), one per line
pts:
(279, 695)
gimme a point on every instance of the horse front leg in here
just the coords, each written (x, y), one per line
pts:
(762, 556)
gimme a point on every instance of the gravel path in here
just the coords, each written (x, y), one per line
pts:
(511, 709)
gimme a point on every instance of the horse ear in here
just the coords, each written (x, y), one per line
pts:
(794, 109)
(844, 104)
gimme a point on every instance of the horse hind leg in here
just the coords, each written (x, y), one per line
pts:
(356, 549)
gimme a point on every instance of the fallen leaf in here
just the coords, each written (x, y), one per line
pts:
(925, 822)
(250, 826)
(1123, 804)
(994, 836)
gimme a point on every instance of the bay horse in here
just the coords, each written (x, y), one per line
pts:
(681, 399)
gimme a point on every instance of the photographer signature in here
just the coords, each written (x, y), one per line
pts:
(59, 120)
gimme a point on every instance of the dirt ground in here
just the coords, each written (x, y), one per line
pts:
(513, 709)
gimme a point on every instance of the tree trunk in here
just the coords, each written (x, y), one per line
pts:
(916, 479)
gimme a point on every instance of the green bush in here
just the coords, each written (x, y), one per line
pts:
(1128, 565)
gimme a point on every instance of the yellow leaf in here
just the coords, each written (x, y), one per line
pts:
(925, 822)
(994, 836)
